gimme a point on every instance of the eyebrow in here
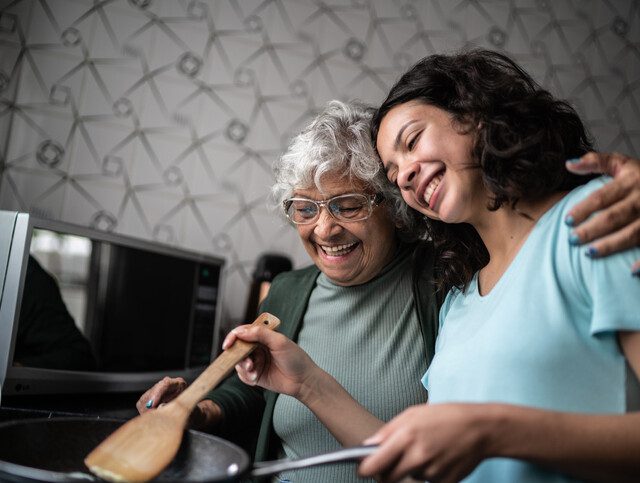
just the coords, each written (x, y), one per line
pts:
(396, 144)
(298, 195)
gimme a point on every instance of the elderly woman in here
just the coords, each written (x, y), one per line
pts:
(365, 311)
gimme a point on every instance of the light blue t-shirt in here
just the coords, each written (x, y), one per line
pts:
(544, 336)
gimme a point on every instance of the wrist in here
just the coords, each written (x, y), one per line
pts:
(492, 424)
(315, 386)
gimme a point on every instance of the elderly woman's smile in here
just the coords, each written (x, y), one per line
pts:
(338, 250)
(349, 253)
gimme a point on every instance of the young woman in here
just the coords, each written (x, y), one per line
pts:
(539, 342)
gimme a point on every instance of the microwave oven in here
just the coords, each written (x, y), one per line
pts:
(86, 311)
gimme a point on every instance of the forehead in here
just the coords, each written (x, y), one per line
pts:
(404, 119)
(333, 184)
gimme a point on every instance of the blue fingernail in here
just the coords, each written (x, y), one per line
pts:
(149, 403)
(574, 239)
(636, 272)
(573, 160)
(591, 252)
(569, 220)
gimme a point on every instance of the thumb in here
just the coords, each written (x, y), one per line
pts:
(592, 162)
(261, 335)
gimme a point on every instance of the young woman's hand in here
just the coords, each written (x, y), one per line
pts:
(278, 364)
(433, 442)
(617, 225)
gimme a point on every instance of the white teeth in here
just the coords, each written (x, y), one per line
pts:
(338, 249)
(428, 193)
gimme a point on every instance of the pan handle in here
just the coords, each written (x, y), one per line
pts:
(354, 453)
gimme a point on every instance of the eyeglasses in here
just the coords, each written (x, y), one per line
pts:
(346, 208)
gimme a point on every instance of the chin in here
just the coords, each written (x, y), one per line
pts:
(339, 278)
(428, 212)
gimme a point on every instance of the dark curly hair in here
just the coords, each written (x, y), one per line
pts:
(523, 136)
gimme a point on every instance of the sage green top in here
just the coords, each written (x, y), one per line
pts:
(368, 337)
(248, 410)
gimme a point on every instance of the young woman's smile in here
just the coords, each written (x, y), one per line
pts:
(431, 162)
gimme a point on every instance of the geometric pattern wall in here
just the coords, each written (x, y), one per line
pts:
(161, 119)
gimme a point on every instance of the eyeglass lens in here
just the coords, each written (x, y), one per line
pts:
(346, 208)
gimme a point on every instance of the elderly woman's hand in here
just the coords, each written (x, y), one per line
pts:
(617, 225)
(205, 415)
(163, 391)
(278, 364)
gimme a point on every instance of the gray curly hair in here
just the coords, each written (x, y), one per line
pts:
(338, 140)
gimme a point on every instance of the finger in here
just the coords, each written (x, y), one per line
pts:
(151, 397)
(228, 341)
(381, 461)
(623, 239)
(249, 378)
(383, 433)
(262, 335)
(232, 336)
(635, 269)
(377, 438)
(142, 405)
(602, 198)
(606, 163)
(237, 333)
(625, 213)
(405, 466)
(246, 364)
(165, 391)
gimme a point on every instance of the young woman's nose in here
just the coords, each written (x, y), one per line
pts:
(407, 174)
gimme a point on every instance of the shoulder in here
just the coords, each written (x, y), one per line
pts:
(288, 297)
(453, 296)
(553, 222)
(293, 281)
(296, 276)
(578, 194)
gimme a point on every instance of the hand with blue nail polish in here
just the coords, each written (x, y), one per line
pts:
(206, 414)
(609, 219)
(574, 239)
(591, 252)
(569, 220)
(163, 391)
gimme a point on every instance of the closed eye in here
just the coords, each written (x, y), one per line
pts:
(412, 142)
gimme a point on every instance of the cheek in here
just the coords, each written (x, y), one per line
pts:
(408, 199)
(303, 233)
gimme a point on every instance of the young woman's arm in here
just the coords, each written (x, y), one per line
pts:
(282, 366)
(445, 442)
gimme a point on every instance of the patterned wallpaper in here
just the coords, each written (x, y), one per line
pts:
(160, 119)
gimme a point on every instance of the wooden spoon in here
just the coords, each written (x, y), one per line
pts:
(142, 447)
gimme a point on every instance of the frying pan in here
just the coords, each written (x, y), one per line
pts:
(53, 450)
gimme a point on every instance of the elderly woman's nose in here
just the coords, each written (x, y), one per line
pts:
(407, 174)
(326, 225)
